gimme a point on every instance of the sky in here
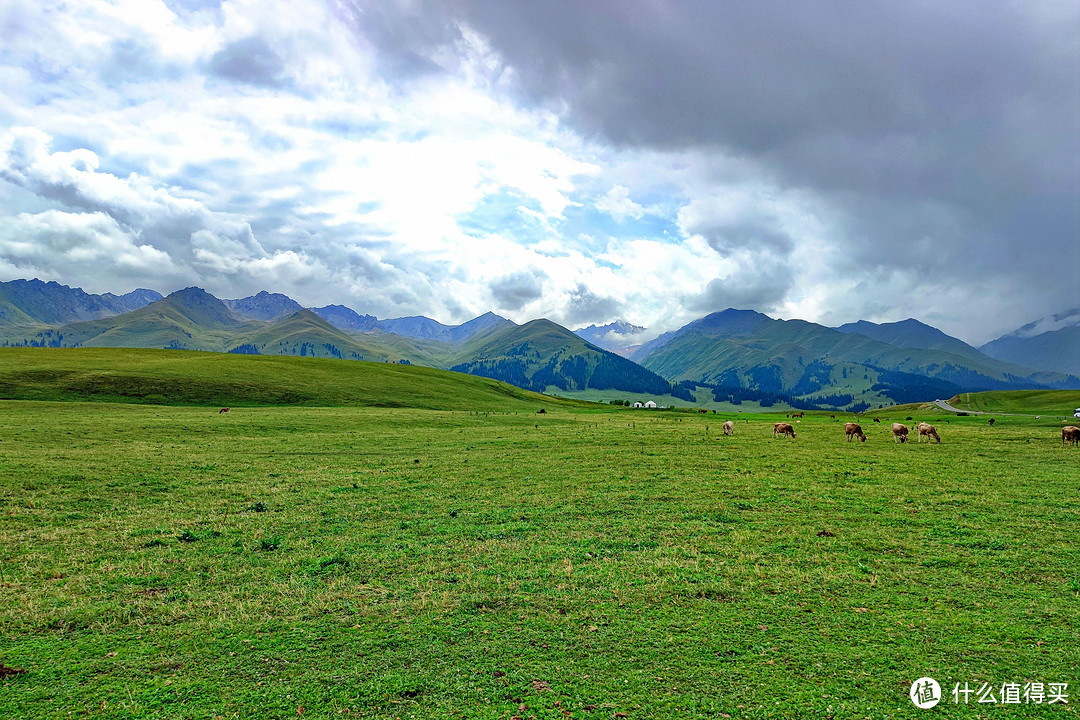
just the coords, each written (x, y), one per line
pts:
(645, 160)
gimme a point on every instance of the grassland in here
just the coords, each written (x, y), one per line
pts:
(380, 562)
(1056, 402)
(181, 377)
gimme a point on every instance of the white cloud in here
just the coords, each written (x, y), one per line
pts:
(617, 204)
(93, 245)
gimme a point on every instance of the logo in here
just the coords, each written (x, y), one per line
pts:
(925, 693)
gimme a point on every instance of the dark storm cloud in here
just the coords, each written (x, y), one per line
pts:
(899, 115)
(727, 239)
(249, 60)
(762, 291)
(404, 34)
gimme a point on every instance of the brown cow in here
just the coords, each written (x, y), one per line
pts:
(929, 431)
(782, 429)
(899, 433)
(991, 422)
(876, 420)
(222, 411)
(854, 430)
(729, 428)
(1070, 433)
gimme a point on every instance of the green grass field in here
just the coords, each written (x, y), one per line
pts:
(182, 377)
(1061, 403)
(379, 562)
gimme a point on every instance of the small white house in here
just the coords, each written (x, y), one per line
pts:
(651, 405)
(638, 405)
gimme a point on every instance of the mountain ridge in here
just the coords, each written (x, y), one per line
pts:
(727, 351)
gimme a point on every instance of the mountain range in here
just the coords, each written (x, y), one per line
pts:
(729, 356)
(1051, 343)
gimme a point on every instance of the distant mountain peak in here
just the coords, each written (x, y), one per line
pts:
(30, 301)
(202, 307)
(1050, 323)
(617, 327)
(345, 318)
(1050, 343)
(263, 305)
(617, 336)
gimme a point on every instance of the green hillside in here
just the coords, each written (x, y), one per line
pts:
(540, 354)
(189, 319)
(534, 356)
(1049, 402)
(306, 334)
(170, 377)
(807, 360)
(913, 334)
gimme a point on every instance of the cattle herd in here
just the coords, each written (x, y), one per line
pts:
(1069, 433)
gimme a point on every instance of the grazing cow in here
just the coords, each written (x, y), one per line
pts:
(991, 422)
(899, 433)
(703, 412)
(854, 430)
(782, 429)
(1070, 433)
(222, 411)
(929, 431)
(729, 428)
(797, 415)
(876, 420)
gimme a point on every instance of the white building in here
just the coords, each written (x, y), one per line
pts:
(650, 405)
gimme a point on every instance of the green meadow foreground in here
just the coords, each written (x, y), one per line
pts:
(273, 562)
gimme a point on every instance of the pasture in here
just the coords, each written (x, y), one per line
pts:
(280, 562)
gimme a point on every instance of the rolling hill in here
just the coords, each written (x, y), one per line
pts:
(169, 377)
(1054, 403)
(306, 334)
(188, 319)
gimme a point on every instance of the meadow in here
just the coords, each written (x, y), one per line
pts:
(587, 562)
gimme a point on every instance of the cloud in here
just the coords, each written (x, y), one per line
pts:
(588, 307)
(745, 289)
(512, 292)
(91, 245)
(649, 160)
(618, 204)
(917, 124)
(249, 60)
